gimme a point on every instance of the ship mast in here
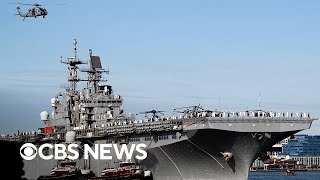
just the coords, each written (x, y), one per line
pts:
(94, 72)
(72, 102)
(72, 96)
(73, 62)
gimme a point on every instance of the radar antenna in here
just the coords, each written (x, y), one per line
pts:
(73, 62)
(94, 72)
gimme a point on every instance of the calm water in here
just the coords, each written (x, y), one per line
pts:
(303, 175)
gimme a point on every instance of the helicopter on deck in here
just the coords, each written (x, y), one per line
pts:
(155, 115)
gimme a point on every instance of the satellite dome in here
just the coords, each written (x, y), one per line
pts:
(44, 115)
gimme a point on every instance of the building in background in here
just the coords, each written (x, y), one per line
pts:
(308, 161)
(304, 150)
(302, 145)
(280, 164)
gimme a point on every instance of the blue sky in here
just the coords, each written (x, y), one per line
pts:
(166, 54)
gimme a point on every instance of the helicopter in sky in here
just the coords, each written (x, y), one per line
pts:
(35, 11)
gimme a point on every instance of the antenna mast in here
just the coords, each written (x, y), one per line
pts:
(259, 101)
(75, 49)
(73, 62)
(94, 71)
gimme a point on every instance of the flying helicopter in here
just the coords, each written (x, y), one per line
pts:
(35, 11)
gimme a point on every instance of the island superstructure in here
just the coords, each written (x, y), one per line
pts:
(193, 144)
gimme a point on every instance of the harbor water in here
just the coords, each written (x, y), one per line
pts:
(300, 175)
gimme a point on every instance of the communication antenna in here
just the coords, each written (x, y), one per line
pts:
(259, 101)
(75, 48)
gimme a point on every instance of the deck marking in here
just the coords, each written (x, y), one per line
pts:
(206, 153)
(172, 162)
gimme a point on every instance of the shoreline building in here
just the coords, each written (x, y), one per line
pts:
(302, 145)
(304, 149)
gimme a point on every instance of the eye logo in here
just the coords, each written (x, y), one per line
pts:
(28, 151)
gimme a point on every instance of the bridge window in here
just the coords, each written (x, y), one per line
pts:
(163, 137)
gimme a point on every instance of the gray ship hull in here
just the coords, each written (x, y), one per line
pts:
(199, 157)
(196, 154)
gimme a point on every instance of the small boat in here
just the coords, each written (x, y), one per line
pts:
(65, 170)
(126, 170)
(65, 167)
(289, 173)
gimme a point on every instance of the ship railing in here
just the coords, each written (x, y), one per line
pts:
(286, 116)
(255, 114)
(115, 102)
(11, 138)
(167, 123)
(55, 136)
(172, 124)
(23, 137)
(246, 116)
(128, 129)
(102, 131)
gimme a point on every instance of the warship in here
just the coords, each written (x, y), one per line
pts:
(192, 143)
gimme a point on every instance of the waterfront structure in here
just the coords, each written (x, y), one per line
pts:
(280, 164)
(309, 161)
(304, 149)
(301, 162)
(281, 143)
(257, 165)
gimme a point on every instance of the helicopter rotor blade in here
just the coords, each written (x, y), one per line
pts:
(151, 112)
(210, 111)
(37, 5)
(186, 107)
(140, 113)
(53, 4)
(180, 108)
(145, 112)
(179, 112)
(22, 4)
